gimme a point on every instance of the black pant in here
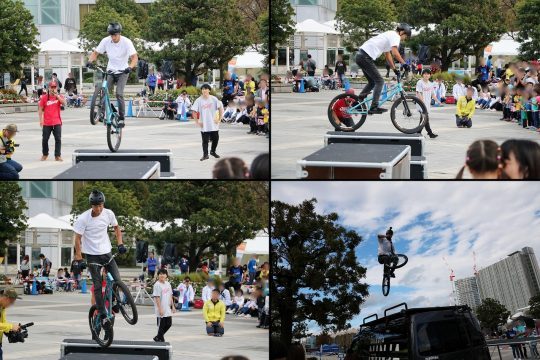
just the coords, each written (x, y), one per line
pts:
(164, 324)
(253, 125)
(23, 87)
(57, 133)
(463, 121)
(427, 126)
(151, 273)
(169, 113)
(161, 87)
(375, 80)
(209, 136)
(95, 272)
(25, 273)
(226, 98)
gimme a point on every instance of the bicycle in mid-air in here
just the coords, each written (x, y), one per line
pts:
(408, 113)
(117, 298)
(102, 110)
(389, 271)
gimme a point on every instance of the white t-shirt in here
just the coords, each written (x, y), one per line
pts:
(459, 90)
(426, 89)
(207, 109)
(164, 292)
(206, 293)
(225, 296)
(95, 240)
(239, 300)
(385, 246)
(118, 53)
(381, 43)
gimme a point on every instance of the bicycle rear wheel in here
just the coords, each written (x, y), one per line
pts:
(114, 135)
(96, 107)
(386, 285)
(408, 114)
(123, 299)
(403, 259)
(102, 335)
(347, 124)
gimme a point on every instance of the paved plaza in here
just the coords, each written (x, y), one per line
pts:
(65, 315)
(299, 122)
(182, 138)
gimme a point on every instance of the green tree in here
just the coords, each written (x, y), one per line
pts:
(529, 29)
(217, 216)
(126, 7)
(12, 217)
(455, 29)
(362, 19)
(199, 36)
(315, 273)
(491, 314)
(253, 12)
(18, 38)
(94, 28)
(534, 304)
(121, 201)
(264, 26)
(282, 24)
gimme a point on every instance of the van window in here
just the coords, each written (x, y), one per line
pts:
(440, 337)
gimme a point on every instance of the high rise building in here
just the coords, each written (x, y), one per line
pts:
(467, 292)
(55, 18)
(511, 281)
(318, 10)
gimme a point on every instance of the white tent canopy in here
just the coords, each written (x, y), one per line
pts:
(312, 26)
(249, 60)
(55, 45)
(504, 47)
(258, 245)
(45, 221)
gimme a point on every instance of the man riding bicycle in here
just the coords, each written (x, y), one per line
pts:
(387, 43)
(91, 229)
(118, 49)
(387, 254)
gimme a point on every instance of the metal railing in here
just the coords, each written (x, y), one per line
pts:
(530, 342)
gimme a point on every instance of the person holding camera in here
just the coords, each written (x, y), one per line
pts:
(119, 50)
(91, 230)
(50, 121)
(7, 298)
(9, 168)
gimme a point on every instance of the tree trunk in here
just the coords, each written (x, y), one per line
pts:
(286, 322)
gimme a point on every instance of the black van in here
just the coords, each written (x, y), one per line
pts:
(433, 333)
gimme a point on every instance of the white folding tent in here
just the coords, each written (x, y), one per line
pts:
(58, 47)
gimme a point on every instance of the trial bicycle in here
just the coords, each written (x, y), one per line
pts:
(102, 110)
(117, 298)
(408, 113)
(388, 271)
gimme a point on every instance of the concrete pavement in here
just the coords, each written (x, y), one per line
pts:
(183, 138)
(299, 122)
(65, 315)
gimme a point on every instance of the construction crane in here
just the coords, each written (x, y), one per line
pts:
(475, 271)
(452, 276)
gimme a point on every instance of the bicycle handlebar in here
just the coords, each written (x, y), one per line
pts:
(107, 263)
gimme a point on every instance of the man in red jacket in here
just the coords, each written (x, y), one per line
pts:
(50, 121)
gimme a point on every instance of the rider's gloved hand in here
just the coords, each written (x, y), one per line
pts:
(397, 72)
(89, 64)
(122, 249)
(127, 70)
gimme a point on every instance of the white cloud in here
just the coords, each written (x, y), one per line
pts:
(491, 218)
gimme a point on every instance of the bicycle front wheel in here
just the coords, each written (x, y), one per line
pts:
(124, 301)
(114, 135)
(342, 103)
(100, 334)
(408, 114)
(96, 107)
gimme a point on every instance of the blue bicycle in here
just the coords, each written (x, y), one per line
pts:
(408, 113)
(117, 299)
(102, 110)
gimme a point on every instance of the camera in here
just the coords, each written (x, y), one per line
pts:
(19, 336)
(10, 146)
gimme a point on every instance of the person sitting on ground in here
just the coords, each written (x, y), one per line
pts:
(214, 315)
(250, 307)
(465, 110)
(520, 159)
(170, 108)
(230, 168)
(185, 291)
(459, 89)
(262, 116)
(484, 99)
(183, 104)
(229, 115)
(225, 296)
(386, 253)
(482, 160)
(440, 91)
(237, 302)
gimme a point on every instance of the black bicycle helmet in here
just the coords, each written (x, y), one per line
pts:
(114, 28)
(406, 28)
(96, 197)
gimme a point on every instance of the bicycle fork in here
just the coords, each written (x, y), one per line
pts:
(406, 110)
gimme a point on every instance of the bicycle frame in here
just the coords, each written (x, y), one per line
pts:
(359, 109)
(108, 107)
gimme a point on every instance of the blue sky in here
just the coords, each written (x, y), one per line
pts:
(431, 220)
